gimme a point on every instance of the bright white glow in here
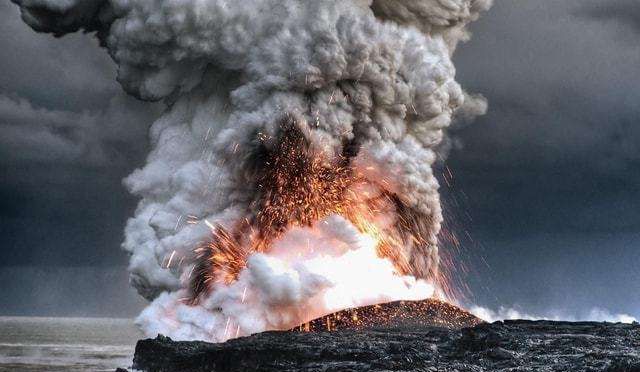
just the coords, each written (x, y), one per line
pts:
(309, 273)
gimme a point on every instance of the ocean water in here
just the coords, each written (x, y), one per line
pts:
(66, 344)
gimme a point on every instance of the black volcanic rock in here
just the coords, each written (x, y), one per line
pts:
(426, 335)
(502, 346)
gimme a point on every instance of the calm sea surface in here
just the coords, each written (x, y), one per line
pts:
(66, 344)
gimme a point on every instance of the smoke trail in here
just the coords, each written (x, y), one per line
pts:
(370, 88)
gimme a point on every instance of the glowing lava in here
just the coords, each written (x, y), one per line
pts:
(394, 314)
(300, 185)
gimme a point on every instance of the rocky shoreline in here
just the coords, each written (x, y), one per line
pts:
(517, 345)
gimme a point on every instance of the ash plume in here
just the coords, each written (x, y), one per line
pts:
(295, 130)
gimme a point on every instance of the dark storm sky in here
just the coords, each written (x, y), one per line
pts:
(547, 183)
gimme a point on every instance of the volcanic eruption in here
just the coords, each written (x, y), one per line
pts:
(291, 175)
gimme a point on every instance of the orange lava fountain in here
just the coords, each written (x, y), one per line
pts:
(299, 185)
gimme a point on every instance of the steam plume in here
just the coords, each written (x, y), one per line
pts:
(367, 87)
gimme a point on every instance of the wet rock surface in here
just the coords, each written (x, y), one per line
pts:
(502, 346)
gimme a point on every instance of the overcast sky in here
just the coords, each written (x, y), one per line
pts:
(547, 184)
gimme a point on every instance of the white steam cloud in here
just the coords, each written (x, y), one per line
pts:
(507, 313)
(309, 273)
(377, 73)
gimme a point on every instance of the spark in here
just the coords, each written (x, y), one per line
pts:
(414, 109)
(171, 259)
(209, 224)
(226, 328)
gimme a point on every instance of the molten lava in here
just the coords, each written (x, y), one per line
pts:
(394, 314)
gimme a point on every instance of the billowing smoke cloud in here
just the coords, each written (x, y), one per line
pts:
(369, 87)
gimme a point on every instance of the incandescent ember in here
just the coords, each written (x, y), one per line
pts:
(299, 185)
(423, 313)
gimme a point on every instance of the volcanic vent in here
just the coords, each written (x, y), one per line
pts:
(297, 186)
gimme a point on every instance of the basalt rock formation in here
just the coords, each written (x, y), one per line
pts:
(516, 345)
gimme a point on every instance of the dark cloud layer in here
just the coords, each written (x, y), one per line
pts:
(550, 176)
(563, 88)
(69, 136)
(57, 291)
(547, 183)
(622, 11)
(68, 73)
